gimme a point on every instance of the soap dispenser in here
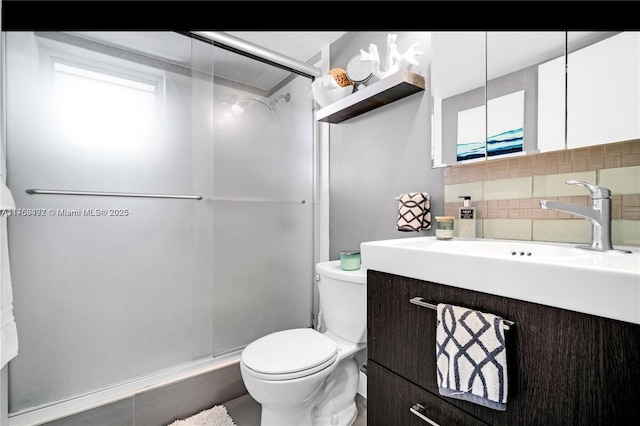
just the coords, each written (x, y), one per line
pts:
(467, 218)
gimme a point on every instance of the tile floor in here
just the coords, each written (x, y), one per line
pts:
(245, 411)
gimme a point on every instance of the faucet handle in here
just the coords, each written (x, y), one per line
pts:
(596, 191)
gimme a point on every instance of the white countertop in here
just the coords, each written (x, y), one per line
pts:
(605, 284)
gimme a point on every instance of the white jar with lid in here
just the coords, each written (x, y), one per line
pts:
(444, 227)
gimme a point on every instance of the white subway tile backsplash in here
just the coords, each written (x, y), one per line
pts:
(625, 232)
(555, 186)
(507, 192)
(623, 180)
(507, 189)
(452, 192)
(510, 229)
(562, 231)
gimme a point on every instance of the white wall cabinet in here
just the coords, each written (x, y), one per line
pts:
(551, 105)
(603, 91)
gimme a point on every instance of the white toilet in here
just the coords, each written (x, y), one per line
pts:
(303, 377)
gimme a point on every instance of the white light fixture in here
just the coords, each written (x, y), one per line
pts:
(237, 106)
(236, 109)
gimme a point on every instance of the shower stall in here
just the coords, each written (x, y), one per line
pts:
(165, 208)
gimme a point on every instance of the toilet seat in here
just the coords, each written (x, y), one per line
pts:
(289, 354)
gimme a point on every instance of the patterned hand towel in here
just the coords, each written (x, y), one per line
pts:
(414, 212)
(471, 356)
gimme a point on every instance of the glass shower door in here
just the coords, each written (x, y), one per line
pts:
(107, 288)
(263, 215)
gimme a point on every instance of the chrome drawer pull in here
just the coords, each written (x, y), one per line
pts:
(420, 302)
(417, 409)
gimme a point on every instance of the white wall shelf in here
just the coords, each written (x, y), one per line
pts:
(383, 92)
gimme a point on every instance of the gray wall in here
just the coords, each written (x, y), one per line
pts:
(381, 154)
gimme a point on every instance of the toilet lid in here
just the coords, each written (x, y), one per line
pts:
(289, 351)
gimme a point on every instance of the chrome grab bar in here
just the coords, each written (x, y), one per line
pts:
(417, 409)
(110, 194)
(420, 302)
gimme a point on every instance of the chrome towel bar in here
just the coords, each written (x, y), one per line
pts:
(249, 200)
(420, 302)
(418, 409)
(398, 198)
(110, 194)
(141, 195)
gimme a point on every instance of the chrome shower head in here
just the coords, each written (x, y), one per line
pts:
(286, 97)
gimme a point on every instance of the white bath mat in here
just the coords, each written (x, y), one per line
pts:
(216, 416)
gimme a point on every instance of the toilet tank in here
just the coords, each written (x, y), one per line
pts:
(343, 300)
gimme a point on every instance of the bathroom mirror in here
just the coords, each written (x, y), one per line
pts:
(486, 94)
(530, 104)
(458, 89)
(519, 81)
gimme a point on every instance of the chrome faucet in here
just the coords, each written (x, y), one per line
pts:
(599, 214)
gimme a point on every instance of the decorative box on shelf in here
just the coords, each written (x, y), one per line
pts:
(382, 92)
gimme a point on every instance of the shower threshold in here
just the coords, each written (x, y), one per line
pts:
(80, 403)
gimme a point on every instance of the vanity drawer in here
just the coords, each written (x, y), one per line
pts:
(564, 367)
(390, 399)
(401, 335)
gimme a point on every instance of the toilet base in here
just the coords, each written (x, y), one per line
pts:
(284, 416)
(303, 417)
(337, 407)
(346, 417)
(333, 404)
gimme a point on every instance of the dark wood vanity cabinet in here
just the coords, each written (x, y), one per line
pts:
(564, 367)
